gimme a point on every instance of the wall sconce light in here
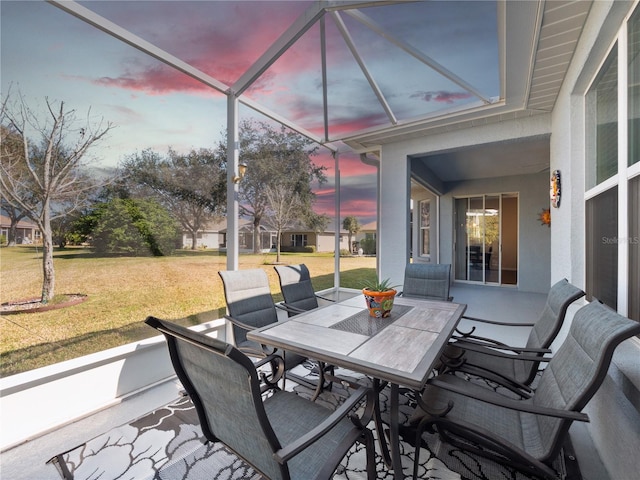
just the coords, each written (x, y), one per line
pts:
(242, 169)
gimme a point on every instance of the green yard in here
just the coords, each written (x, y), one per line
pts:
(122, 292)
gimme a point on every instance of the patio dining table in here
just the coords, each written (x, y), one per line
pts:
(401, 349)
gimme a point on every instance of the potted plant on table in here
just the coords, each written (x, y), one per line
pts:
(379, 296)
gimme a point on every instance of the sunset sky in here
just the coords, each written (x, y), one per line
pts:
(49, 53)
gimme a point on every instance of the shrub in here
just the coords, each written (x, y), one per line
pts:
(133, 227)
(368, 246)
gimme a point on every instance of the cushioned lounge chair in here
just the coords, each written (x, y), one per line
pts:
(527, 433)
(513, 367)
(427, 280)
(280, 434)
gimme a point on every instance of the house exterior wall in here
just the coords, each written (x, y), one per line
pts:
(394, 195)
(614, 411)
(327, 242)
(547, 255)
(203, 240)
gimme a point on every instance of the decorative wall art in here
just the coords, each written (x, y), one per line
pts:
(555, 189)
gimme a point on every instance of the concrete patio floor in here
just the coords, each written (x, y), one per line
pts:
(27, 461)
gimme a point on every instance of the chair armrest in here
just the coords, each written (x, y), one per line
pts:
(495, 399)
(324, 298)
(265, 350)
(289, 308)
(495, 351)
(464, 341)
(295, 447)
(238, 323)
(496, 322)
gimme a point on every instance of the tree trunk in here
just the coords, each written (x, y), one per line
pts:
(12, 233)
(194, 239)
(48, 277)
(278, 241)
(257, 238)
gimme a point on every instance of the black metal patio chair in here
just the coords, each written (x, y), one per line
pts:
(528, 433)
(251, 306)
(297, 290)
(427, 280)
(280, 434)
(299, 296)
(513, 367)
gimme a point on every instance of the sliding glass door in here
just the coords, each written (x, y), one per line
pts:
(486, 239)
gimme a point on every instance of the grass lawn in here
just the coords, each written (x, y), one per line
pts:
(123, 291)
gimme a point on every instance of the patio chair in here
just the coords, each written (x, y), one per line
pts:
(299, 297)
(427, 280)
(527, 434)
(513, 367)
(280, 434)
(251, 306)
(297, 290)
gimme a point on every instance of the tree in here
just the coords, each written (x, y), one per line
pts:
(275, 157)
(191, 186)
(131, 227)
(283, 210)
(11, 146)
(318, 222)
(48, 178)
(351, 225)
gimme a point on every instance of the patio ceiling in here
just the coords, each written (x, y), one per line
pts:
(362, 73)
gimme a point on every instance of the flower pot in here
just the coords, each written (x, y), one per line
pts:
(379, 303)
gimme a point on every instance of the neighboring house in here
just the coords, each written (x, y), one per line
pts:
(245, 237)
(369, 233)
(214, 235)
(210, 236)
(322, 242)
(27, 232)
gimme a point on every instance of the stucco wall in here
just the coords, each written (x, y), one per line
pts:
(534, 252)
(614, 411)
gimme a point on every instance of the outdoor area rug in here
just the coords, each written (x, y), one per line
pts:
(168, 444)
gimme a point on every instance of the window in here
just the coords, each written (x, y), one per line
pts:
(425, 228)
(602, 108)
(633, 94)
(612, 199)
(602, 247)
(299, 240)
(634, 248)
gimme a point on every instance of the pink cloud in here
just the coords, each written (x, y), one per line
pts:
(441, 96)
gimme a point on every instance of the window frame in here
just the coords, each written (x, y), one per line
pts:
(626, 172)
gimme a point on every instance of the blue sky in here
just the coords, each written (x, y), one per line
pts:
(49, 53)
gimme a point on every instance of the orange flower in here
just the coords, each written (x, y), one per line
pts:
(545, 216)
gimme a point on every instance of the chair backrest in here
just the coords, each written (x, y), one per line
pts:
(427, 280)
(295, 284)
(248, 299)
(224, 387)
(561, 295)
(578, 369)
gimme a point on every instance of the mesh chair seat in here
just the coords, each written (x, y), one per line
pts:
(477, 355)
(528, 433)
(296, 288)
(427, 280)
(279, 433)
